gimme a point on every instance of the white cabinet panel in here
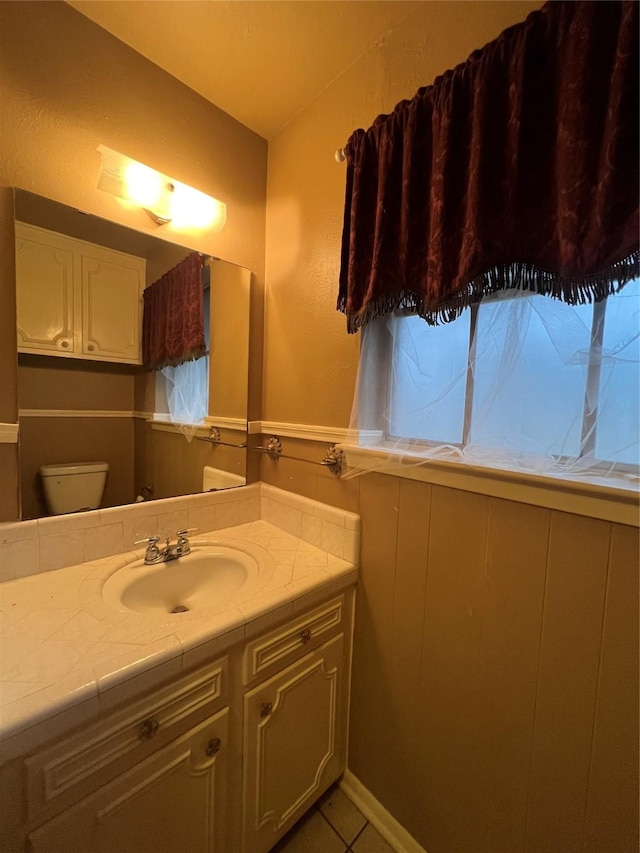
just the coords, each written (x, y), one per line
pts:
(294, 743)
(76, 299)
(173, 802)
(111, 306)
(44, 293)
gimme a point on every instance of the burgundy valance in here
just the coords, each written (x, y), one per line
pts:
(517, 169)
(173, 318)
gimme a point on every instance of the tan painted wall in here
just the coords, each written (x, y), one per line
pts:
(47, 382)
(494, 699)
(66, 87)
(9, 483)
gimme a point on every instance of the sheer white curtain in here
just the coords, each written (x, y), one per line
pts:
(521, 382)
(187, 387)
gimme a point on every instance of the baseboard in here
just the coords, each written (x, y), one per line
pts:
(388, 827)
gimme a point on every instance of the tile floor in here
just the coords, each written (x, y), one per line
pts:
(333, 825)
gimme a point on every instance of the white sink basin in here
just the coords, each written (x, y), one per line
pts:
(210, 577)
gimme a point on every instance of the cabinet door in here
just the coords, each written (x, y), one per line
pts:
(44, 292)
(173, 802)
(294, 743)
(112, 286)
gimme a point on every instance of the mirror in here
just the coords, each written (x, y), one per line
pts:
(88, 409)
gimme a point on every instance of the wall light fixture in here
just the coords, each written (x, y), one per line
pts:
(162, 197)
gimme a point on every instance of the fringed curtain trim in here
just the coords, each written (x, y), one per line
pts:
(517, 169)
(173, 318)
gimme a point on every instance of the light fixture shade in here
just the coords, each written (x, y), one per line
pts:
(163, 198)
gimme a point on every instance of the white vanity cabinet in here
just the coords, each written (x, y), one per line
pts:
(295, 722)
(224, 759)
(76, 299)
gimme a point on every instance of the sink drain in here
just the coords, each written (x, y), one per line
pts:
(180, 608)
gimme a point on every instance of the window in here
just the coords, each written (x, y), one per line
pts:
(519, 381)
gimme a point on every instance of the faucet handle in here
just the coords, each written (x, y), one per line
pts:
(183, 546)
(149, 540)
(152, 554)
(181, 534)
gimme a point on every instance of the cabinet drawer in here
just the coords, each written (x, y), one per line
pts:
(289, 642)
(86, 760)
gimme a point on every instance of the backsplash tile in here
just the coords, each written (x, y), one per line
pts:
(62, 549)
(226, 514)
(282, 515)
(103, 541)
(312, 530)
(332, 539)
(202, 518)
(15, 531)
(42, 545)
(19, 559)
(172, 521)
(334, 530)
(66, 523)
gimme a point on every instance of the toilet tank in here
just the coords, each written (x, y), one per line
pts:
(73, 486)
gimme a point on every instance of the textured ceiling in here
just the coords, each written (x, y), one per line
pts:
(262, 61)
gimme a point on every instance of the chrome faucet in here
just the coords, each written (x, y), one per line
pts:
(154, 554)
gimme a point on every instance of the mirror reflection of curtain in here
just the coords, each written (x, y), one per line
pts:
(173, 319)
(174, 341)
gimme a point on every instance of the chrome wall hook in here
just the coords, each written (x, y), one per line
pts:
(273, 448)
(215, 438)
(334, 459)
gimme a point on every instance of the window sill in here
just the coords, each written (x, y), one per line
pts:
(576, 496)
(158, 422)
(163, 422)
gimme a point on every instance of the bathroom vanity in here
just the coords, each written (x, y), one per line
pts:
(225, 725)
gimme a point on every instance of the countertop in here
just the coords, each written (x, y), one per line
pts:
(62, 648)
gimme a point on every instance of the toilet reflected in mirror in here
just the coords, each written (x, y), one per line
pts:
(75, 487)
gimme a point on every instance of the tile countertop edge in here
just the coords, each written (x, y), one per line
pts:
(53, 709)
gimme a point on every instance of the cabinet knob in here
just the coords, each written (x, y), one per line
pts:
(64, 344)
(305, 636)
(213, 746)
(266, 708)
(148, 729)
(90, 347)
